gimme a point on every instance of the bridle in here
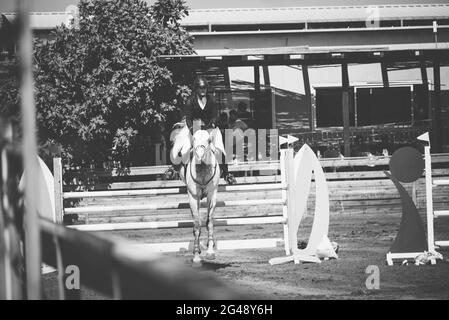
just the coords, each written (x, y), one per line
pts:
(215, 167)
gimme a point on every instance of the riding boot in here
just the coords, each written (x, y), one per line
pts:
(229, 177)
(172, 171)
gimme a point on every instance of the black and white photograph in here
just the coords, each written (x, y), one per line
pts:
(239, 153)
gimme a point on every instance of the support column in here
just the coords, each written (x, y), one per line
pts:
(227, 79)
(257, 105)
(266, 76)
(385, 80)
(425, 82)
(436, 118)
(257, 78)
(308, 95)
(345, 105)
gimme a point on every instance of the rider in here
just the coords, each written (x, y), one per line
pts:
(202, 107)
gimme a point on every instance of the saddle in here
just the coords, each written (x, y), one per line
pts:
(182, 143)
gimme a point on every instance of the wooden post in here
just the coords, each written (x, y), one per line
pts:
(5, 292)
(415, 193)
(308, 95)
(266, 76)
(116, 285)
(345, 104)
(425, 82)
(257, 78)
(5, 263)
(10, 239)
(437, 123)
(355, 107)
(424, 77)
(385, 80)
(227, 79)
(412, 105)
(29, 151)
(273, 108)
(60, 268)
(258, 108)
(59, 200)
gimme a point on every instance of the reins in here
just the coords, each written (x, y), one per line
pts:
(191, 175)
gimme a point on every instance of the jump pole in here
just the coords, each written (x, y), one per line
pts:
(181, 205)
(285, 165)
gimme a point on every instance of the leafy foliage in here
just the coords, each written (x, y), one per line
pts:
(9, 91)
(100, 92)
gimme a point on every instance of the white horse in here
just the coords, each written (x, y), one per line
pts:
(201, 175)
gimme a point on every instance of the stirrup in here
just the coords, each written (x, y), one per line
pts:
(230, 179)
(170, 174)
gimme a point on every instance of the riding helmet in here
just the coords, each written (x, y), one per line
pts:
(200, 82)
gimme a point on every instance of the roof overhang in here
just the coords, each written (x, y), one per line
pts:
(313, 56)
(315, 14)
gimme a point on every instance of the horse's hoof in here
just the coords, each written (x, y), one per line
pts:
(210, 256)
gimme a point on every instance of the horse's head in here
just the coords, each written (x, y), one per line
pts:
(203, 147)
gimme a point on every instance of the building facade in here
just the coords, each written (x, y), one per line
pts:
(297, 69)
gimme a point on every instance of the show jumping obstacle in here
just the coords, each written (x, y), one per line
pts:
(352, 190)
(272, 185)
(431, 213)
(289, 217)
(411, 240)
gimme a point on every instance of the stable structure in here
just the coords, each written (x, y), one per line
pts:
(421, 112)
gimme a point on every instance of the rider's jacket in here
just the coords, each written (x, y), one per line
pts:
(209, 115)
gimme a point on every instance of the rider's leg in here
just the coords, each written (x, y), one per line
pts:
(229, 177)
(180, 134)
(173, 170)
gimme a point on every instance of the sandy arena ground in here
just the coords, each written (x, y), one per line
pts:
(364, 240)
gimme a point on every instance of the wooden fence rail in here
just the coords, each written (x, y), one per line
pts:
(355, 189)
(120, 271)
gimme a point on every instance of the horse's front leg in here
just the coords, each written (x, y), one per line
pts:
(195, 210)
(211, 203)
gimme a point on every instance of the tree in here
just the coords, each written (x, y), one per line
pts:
(99, 88)
(8, 73)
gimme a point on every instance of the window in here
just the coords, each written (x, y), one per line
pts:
(329, 107)
(383, 105)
